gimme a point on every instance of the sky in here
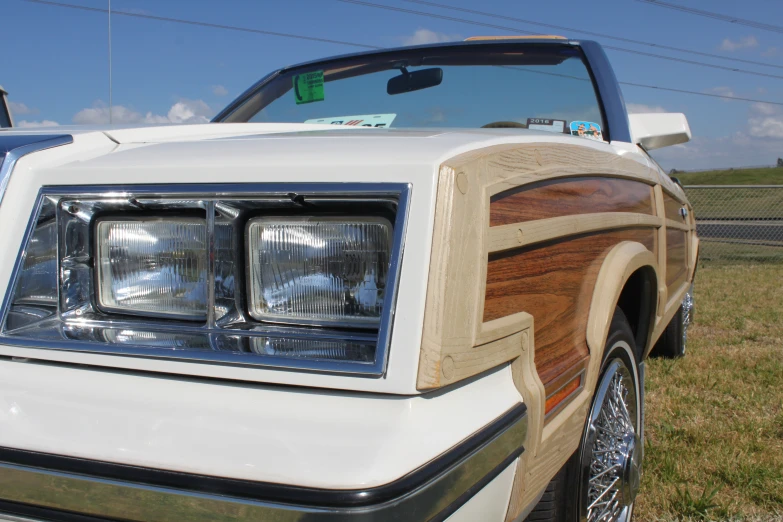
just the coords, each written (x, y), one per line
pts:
(56, 66)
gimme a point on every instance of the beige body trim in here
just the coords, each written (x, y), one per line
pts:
(455, 341)
(670, 223)
(516, 235)
(549, 446)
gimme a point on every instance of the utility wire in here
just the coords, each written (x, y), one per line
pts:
(716, 16)
(592, 33)
(700, 93)
(656, 87)
(204, 24)
(520, 31)
(354, 44)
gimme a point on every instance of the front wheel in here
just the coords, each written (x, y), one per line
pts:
(600, 482)
(674, 339)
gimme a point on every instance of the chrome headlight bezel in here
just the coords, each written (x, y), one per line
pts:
(228, 330)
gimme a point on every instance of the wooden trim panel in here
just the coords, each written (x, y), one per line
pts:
(454, 323)
(672, 208)
(679, 225)
(676, 259)
(554, 282)
(569, 197)
(516, 235)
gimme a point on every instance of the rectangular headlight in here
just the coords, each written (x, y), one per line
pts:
(318, 270)
(153, 266)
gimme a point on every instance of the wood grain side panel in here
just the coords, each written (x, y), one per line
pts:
(568, 197)
(554, 283)
(676, 258)
(672, 208)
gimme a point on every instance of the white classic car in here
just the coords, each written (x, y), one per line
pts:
(414, 284)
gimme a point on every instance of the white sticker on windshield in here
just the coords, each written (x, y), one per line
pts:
(545, 124)
(376, 121)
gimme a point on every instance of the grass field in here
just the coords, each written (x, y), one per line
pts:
(714, 448)
(761, 176)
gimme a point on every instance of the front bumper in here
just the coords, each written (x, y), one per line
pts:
(51, 487)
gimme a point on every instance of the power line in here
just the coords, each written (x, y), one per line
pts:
(683, 91)
(354, 44)
(204, 24)
(716, 16)
(520, 31)
(645, 86)
(592, 33)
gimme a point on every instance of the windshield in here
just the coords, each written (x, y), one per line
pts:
(542, 87)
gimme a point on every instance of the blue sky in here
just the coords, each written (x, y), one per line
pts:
(56, 67)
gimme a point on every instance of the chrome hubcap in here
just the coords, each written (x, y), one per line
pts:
(630, 463)
(612, 457)
(687, 309)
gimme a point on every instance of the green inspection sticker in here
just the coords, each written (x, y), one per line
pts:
(309, 87)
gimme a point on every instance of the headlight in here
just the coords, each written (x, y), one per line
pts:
(154, 266)
(312, 270)
(302, 277)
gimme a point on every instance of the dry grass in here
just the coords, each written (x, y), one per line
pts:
(714, 448)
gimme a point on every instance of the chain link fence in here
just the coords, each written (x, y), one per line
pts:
(738, 222)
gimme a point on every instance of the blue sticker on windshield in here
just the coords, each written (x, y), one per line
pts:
(587, 129)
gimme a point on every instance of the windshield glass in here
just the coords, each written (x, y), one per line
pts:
(542, 87)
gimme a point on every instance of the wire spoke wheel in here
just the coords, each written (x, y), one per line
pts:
(686, 316)
(612, 452)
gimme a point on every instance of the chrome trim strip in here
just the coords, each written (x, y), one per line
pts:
(447, 487)
(4, 517)
(34, 143)
(401, 191)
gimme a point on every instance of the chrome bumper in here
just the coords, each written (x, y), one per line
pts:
(46, 487)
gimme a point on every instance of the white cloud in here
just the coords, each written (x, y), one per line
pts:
(425, 36)
(184, 111)
(743, 43)
(759, 143)
(219, 90)
(766, 121)
(20, 108)
(189, 111)
(736, 150)
(33, 124)
(764, 108)
(771, 51)
(723, 91)
(640, 108)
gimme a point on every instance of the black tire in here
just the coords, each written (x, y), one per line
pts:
(671, 344)
(551, 507)
(563, 498)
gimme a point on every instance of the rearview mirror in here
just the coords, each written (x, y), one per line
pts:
(414, 81)
(653, 131)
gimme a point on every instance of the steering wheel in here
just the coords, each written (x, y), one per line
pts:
(504, 125)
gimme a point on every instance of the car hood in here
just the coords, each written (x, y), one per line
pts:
(127, 150)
